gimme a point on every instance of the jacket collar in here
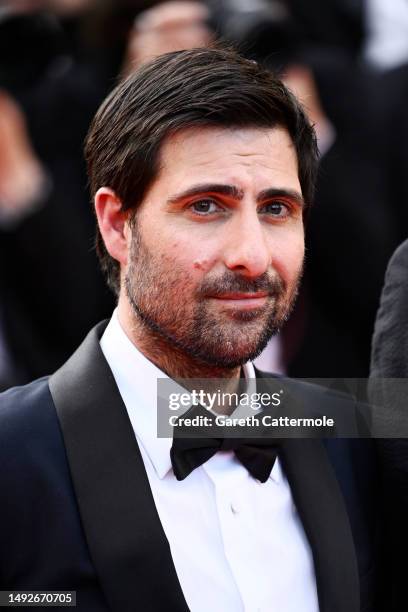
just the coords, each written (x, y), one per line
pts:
(125, 537)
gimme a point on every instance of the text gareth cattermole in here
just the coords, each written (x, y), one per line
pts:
(251, 421)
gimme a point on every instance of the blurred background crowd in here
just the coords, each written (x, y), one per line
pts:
(347, 60)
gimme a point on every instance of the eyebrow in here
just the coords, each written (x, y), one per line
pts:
(291, 194)
(237, 194)
(226, 190)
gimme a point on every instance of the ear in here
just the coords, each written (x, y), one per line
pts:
(112, 221)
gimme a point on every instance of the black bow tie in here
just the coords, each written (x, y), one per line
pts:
(256, 455)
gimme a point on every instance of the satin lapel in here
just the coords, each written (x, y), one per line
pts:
(323, 513)
(321, 508)
(126, 540)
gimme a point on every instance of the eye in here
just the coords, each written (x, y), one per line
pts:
(205, 207)
(276, 209)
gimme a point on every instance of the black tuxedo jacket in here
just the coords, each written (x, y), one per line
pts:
(77, 512)
(390, 361)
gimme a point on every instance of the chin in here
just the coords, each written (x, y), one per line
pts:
(237, 356)
(247, 316)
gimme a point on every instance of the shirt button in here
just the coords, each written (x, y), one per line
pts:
(234, 509)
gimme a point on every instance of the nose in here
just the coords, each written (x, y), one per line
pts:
(246, 249)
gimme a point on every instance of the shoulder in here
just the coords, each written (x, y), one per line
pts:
(22, 408)
(34, 474)
(399, 258)
(395, 285)
(390, 339)
(340, 400)
(325, 393)
(40, 531)
(29, 429)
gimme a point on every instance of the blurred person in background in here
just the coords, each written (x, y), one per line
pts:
(46, 231)
(387, 51)
(388, 390)
(52, 81)
(171, 26)
(386, 43)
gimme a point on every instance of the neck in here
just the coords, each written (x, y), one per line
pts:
(172, 360)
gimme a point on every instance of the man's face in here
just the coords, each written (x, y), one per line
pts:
(217, 246)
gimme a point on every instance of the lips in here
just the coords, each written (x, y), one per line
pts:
(242, 296)
(242, 301)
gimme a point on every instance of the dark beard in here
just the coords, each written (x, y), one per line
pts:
(197, 332)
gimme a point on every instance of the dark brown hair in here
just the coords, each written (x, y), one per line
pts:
(200, 87)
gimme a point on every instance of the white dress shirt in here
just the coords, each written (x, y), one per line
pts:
(237, 544)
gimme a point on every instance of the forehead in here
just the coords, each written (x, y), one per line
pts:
(235, 154)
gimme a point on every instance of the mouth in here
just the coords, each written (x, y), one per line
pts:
(242, 301)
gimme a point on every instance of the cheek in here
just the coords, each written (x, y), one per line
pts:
(289, 257)
(201, 264)
(191, 259)
(181, 254)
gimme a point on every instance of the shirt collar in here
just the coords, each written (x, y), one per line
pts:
(136, 378)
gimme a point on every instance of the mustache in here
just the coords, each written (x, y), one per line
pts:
(236, 283)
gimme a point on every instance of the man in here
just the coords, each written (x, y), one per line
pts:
(388, 389)
(202, 167)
